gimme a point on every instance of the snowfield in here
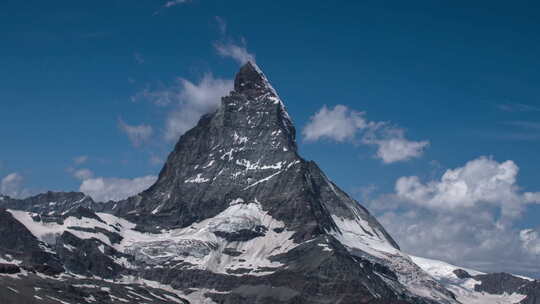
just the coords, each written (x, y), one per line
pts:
(196, 244)
(463, 288)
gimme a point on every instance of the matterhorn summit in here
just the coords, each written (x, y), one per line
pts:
(236, 216)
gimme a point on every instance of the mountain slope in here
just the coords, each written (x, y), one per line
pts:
(474, 287)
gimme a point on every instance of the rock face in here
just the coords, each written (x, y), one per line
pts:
(236, 216)
(51, 203)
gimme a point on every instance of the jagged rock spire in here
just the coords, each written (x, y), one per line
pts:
(249, 77)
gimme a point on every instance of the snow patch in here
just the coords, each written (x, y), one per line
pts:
(463, 288)
(197, 179)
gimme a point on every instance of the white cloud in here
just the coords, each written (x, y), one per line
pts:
(137, 134)
(392, 146)
(188, 101)
(482, 180)
(83, 174)
(194, 100)
(532, 197)
(399, 149)
(104, 189)
(80, 159)
(234, 51)
(465, 217)
(530, 240)
(343, 124)
(228, 48)
(472, 239)
(12, 185)
(337, 124)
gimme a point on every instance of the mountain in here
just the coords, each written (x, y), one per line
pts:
(475, 287)
(236, 216)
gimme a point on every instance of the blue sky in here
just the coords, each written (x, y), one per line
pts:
(78, 77)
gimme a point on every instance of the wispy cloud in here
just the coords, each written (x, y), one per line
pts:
(238, 52)
(12, 185)
(529, 125)
(80, 159)
(174, 3)
(517, 107)
(194, 100)
(339, 124)
(343, 124)
(222, 25)
(162, 96)
(169, 4)
(137, 134)
(227, 47)
(155, 160)
(518, 130)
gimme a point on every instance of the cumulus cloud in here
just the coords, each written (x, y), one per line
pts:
(338, 124)
(465, 217)
(530, 240)
(480, 181)
(343, 124)
(137, 134)
(398, 149)
(470, 239)
(392, 146)
(12, 185)
(532, 197)
(103, 189)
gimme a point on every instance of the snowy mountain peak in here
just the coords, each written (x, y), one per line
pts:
(250, 78)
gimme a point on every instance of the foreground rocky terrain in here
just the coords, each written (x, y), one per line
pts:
(236, 216)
